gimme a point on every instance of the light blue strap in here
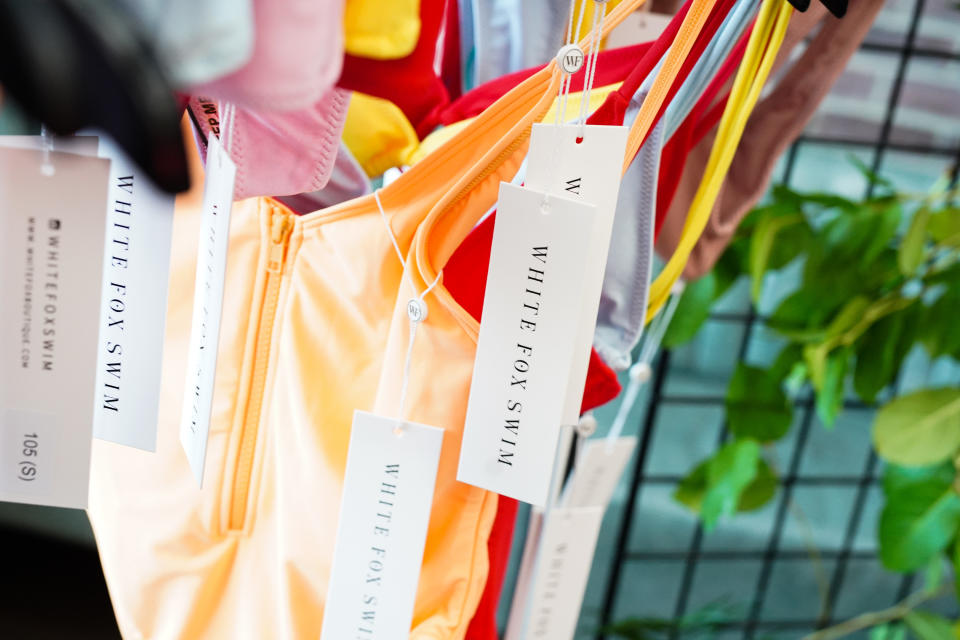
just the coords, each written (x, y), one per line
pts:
(715, 53)
(706, 68)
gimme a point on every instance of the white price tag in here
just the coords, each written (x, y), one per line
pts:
(384, 513)
(521, 590)
(134, 306)
(597, 472)
(588, 170)
(567, 546)
(207, 306)
(51, 259)
(531, 313)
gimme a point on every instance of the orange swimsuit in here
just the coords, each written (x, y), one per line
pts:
(314, 326)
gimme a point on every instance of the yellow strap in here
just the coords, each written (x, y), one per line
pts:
(765, 41)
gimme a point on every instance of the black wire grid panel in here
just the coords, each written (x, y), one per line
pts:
(846, 557)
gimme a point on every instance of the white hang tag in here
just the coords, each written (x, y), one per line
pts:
(567, 546)
(530, 319)
(521, 591)
(597, 472)
(51, 260)
(134, 306)
(207, 305)
(589, 170)
(384, 513)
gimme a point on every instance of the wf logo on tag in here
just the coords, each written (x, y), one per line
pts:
(570, 58)
(416, 310)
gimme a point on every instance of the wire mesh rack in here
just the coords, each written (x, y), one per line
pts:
(908, 48)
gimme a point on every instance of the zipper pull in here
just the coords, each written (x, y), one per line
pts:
(280, 228)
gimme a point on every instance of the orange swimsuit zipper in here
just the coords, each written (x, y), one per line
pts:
(280, 227)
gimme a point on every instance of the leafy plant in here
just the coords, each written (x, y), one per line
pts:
(701, 624)
(874, 283)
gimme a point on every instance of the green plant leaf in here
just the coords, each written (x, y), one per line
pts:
(692, 489)
(833, 287)
(815, 356)
(938, 325)
(875, 311)
(692, 311)
(918, 521)
(956, 568)
(852, 255)
(933, 574)
(757, 407)
(891, 631)
(786, 361)
(731, 265)
(848, 316)
(859, 237)
(761, 491)
(830, 394)
(948, 274)
(798, 317)
(896, 478)
(792, 242)
(880, 352)
(761, 245)
(911, 252)
(883, 230)
(797, 377)
(871, 176)
(828, 201)
(729, 472)
(918, 429)
(702, 621)
(944, 227)
(784, 195)
(926, 625)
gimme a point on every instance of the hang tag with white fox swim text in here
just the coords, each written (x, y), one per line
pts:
(384, 512)
(597, 472)
(134, 306)
(51, 261)
(567, 546)
(531, 313)
(207, 305)
(590, 171)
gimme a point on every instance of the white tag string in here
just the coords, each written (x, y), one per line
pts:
(641, 371)
(46, 142)
(227, 116)
(565, 82)
(599, 13)
(570, 30)
(416, 312)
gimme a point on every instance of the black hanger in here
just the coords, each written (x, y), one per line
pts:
(837, 7)
(85, 63)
